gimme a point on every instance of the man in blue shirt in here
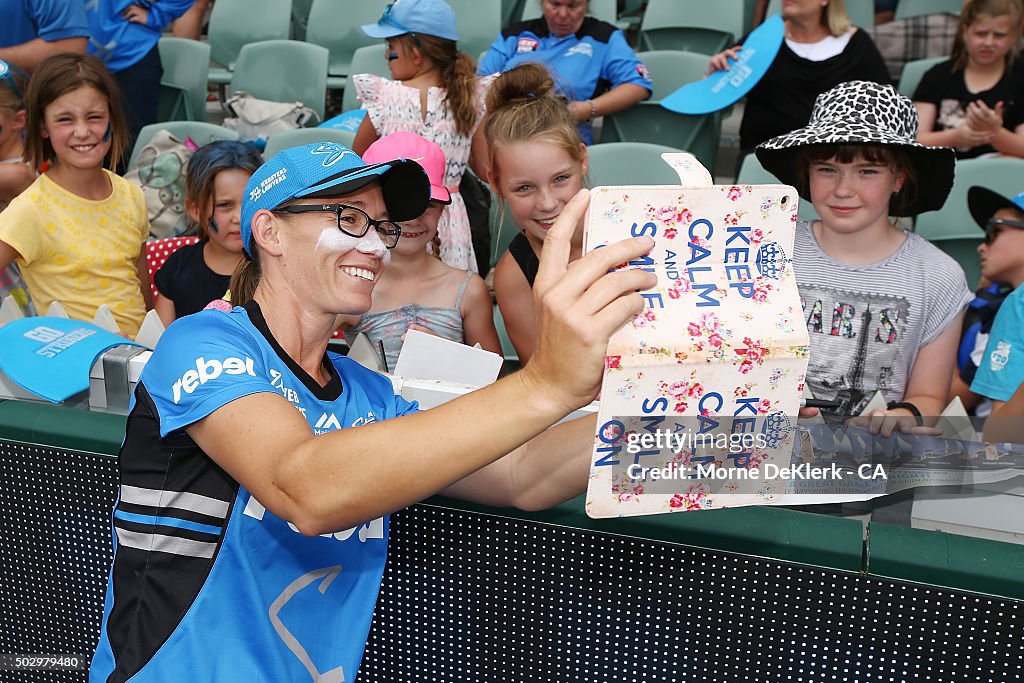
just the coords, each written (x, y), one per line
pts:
(32, 30)
(590, 60)
(126, 40)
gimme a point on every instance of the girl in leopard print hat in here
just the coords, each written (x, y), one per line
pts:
(883, 306)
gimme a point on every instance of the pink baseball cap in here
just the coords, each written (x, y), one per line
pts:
(405, 145)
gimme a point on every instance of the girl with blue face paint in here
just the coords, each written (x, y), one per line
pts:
(77, 232)
(197, 274)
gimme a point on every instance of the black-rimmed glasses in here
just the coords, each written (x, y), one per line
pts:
(353, 222)
(995, 226)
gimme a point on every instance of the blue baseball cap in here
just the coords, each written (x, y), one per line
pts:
(426, 17)
(327, 169)
(983, 204)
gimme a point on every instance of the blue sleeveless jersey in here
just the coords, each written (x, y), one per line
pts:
(206, 584)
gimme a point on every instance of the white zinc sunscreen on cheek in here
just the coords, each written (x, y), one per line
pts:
(334, 241)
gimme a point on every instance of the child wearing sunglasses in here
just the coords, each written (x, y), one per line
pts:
(1000, 368)
(1002, 272)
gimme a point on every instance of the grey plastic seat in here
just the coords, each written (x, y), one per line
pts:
(186, 67)
(502, 226)
(365, 60)
(236, 23)
(305, 136)
(914, 71)
(283, 71)
(693, 25)
(630, 163)
(952, 228)
(648, 121)
(479, 22)
(201, 133)
(336, 25)
(300, 18)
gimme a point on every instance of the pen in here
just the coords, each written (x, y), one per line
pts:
(819, 403)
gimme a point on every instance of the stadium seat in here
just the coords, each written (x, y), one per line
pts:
(305, 136)
(186, 65)
(235, 23)
(952, 228)
(913, 72)
(479, 22)
(511, 10)
(365, 60)
(693, 25)
(630, 163)
(508, 351)
(916, 8)
(300, 18)
(283, 71)
(672, 69)
(753, 173)
(649, 122)
(861, 12)
(748, 15)
(340, 32)
(200, 132)
(502, 227)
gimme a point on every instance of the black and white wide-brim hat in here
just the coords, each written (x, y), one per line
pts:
(863, 112)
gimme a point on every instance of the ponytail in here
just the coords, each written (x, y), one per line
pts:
(435, 246)
(246, 278)
(458, 73)
(459, 76)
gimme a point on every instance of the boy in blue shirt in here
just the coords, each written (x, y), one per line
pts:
(1001, 366)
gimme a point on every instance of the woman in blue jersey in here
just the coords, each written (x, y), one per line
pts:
(258, 470)
(590, 60)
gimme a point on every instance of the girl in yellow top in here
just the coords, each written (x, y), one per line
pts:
(77, 232)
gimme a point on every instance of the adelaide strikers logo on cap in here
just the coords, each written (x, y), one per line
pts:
(333, 152)
(324, 169)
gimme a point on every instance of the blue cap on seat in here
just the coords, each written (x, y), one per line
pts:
(425, 17)
(327, 169)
